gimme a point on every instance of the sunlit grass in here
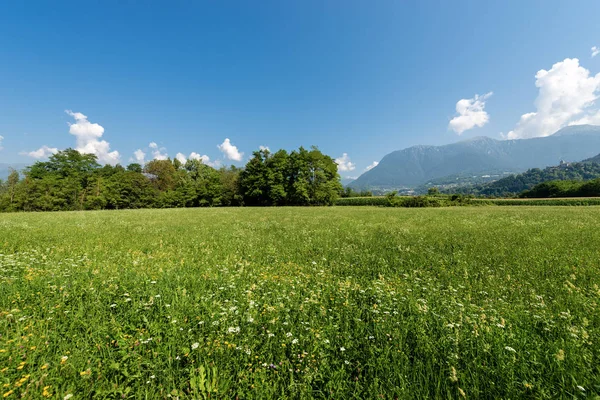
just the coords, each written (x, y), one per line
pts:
(352, 302)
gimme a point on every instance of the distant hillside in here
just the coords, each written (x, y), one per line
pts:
(346, 181)
(595, 159)
(419, 165)
(515, 184)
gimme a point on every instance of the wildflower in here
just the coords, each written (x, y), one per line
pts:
(195, 346)
(232, 329)
(462, 392)
(152, 376)
(342, 349)
(8, 393)
(453, 377)
(46, 392)
(560, 356)
(45, 366)
(87, 372)
(295, 341)
(67, 397)
(289, 334)
(64, 359)
(113, 305)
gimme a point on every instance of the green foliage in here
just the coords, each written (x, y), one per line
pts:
(300, 178)
(515, 184)
(73, 181)
(362, 201)
(298, 303)
(564, 189)
(350, 192)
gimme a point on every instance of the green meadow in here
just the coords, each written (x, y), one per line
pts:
(338, 302)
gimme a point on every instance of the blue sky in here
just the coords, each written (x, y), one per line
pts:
(355, 77)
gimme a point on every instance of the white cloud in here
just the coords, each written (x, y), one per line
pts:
(264, 148)
(471, 114)
(589, 119)
(204, 158)
(158, 153)
(181, 157)
(371, 166)
(195, 156)
(230, 151)
(595, 51)
(344, 163)
(566, 92)
(139, 156)
(42, 152)
(1, 139)
(88, 136)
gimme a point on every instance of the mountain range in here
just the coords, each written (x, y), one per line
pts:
(481, 157)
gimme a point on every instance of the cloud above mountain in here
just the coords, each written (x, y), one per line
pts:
(471, 114)
(372, 165)
(566, 96)
(344, 163)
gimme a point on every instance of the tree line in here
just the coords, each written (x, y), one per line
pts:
(515, 184)
(70, 180)
(557, 189)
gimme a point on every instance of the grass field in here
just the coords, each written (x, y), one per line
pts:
(346, 302)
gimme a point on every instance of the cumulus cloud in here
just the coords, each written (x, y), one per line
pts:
(471, 114)
(566, 96)
(344, 163)
(158, 153)
(181, 157)
(42, 152)
(371, 166)
(595, 51)
(195, 156)
(1, 139)
(139, 156)
(88, 136)
(230, 151)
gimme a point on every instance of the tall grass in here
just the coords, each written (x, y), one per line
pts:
(346, 302)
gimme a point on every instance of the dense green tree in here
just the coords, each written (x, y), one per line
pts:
(70, 180)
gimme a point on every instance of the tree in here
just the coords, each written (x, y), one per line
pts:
(135, 167)
(164, 172)
(13, 181)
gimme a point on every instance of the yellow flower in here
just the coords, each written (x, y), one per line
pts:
(45, 366)
(87, 372)
(63, 359)
(8, 393)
